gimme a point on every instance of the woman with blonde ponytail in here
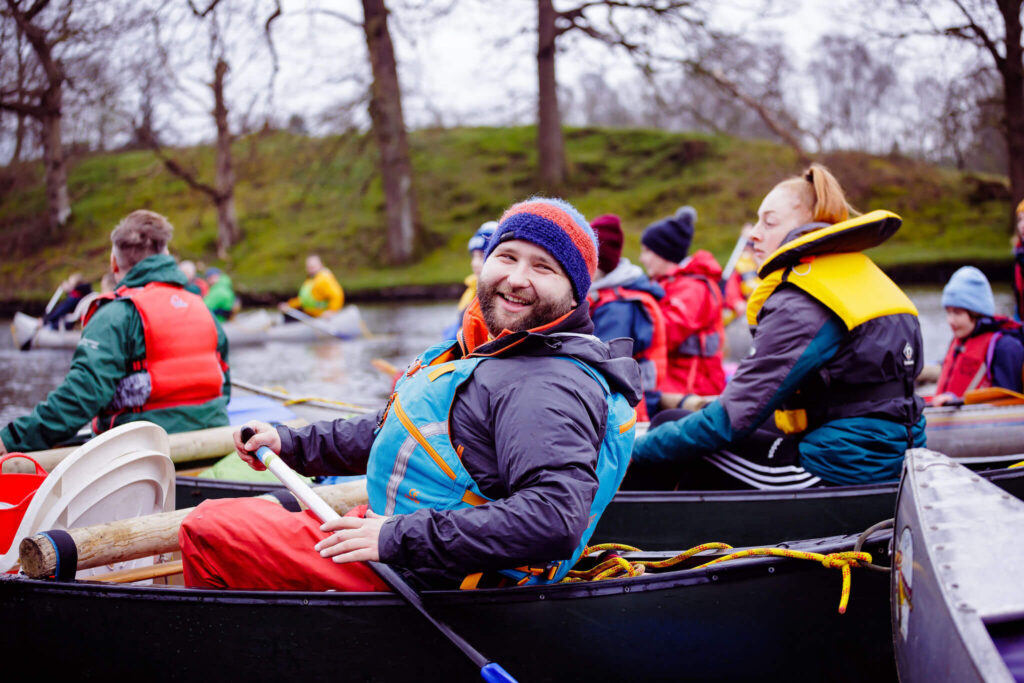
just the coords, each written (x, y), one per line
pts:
(826, 395)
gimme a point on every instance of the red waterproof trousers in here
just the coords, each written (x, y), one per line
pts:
(253, 544)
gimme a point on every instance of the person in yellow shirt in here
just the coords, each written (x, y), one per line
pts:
(320, 294)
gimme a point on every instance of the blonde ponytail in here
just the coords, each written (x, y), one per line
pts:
(820, 192)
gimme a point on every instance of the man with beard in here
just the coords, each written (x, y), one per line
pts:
(493, 460)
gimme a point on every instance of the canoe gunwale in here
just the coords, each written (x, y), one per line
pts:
(723, 573)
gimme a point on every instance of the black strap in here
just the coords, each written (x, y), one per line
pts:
(67, 554)
(287, 500)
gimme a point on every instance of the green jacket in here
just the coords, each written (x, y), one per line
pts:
(221, 298)
(110, 342)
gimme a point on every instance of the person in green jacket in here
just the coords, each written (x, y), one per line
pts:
(221, 297)
(112, 371)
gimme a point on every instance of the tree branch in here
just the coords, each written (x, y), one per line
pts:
(177, 169)
(981, 34)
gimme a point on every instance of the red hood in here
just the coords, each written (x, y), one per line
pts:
(701, 263)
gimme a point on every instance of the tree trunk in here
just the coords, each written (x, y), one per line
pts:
(550, 144)
(228, 233)
(1012, 71)
(58, 205)
(389, 131)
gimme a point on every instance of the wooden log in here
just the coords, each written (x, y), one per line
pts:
(185, 447)
(130, 539)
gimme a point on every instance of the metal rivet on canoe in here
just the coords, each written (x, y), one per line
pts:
(714, 577)
(927, 507)
(947, 566)
(541, 596)
(625, 589)
(933, 527)
(923, 485)
(771, 570)
(954, 585)
(940, 547)
(305, 601)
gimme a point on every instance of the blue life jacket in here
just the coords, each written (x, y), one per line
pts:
(414, 465)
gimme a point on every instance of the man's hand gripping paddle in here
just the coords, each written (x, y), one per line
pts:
(492, 672)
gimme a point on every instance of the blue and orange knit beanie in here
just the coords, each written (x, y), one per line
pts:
(670, 238)
(554, 225)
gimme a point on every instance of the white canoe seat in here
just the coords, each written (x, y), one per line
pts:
(123, 473)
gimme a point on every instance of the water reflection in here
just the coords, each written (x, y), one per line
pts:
(342, 371)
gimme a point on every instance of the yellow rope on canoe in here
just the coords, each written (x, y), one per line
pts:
(616, 567)
(619, 567)
(843, 561)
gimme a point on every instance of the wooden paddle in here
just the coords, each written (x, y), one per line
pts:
(384, 366)
(489, 671)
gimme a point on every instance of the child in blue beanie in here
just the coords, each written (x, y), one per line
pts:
(987, 350)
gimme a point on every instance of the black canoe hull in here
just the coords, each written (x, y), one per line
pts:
(761, 618)
(662, 520)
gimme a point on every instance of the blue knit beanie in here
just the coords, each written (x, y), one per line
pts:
(670, 238)
(969, 289)
(480, 238)
(553, 225)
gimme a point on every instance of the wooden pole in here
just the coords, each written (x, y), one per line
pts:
(130, 539)
(185, 447)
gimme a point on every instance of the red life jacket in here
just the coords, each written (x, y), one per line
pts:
(656, 353)
(967, 363)
(182, 360)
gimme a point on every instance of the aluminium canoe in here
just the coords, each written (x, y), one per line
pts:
(958, 591)
(752, 618)
(662, 520)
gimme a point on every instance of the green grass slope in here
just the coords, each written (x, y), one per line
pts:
(298, 194)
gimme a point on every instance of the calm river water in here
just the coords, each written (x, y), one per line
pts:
(342, 370)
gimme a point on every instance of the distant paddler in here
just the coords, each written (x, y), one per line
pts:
(220, 299)
(149, 351)
(826, 395)
(320, 294)
(477, 246)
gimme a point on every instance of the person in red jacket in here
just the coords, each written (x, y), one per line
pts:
(624, 303)
(692, 307)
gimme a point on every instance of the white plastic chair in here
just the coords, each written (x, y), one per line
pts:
(126, 472)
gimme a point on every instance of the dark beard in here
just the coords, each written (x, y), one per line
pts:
(541, 313)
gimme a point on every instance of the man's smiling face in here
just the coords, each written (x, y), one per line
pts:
(522, 286)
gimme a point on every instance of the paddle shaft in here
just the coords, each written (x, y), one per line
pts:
(734, 257)
(490, 671)
(309, 320)
(54, 299)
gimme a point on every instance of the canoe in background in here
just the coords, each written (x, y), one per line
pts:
(957, 595)
(246, 329)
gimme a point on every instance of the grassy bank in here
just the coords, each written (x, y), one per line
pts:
(298, 194)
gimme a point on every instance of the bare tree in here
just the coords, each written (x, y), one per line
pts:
(172, 35)
(43, 99)
(994, 28)
(389, 131)
(600, 20)
(404, 233)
